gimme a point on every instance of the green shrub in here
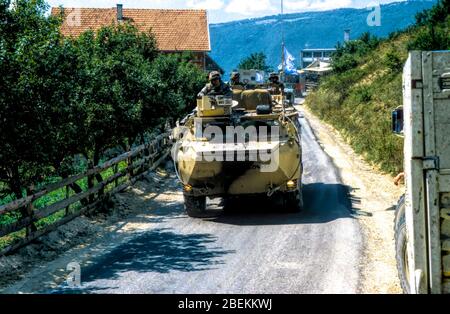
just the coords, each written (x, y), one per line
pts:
(344, 63)
(349, 55)
(362, 95)
(393, 61)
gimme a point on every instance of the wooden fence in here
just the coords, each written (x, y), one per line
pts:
(139, 161)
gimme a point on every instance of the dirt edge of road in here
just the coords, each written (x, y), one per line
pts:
(45, 259)
(373, 196)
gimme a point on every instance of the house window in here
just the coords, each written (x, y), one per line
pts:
(307, 54)
(317, 54)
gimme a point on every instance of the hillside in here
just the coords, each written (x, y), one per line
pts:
(358, 99)
(359, 102)
(304, 30)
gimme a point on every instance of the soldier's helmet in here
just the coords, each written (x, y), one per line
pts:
(273, 76)
(214, 75)
(235, 75)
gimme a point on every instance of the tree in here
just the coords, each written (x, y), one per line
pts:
(176, 84)
(256, 61)
(347, 55)
(29, 51)
(433, 32)
(63, 97)
(114, 84)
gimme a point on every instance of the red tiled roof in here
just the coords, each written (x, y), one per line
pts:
(174, 30)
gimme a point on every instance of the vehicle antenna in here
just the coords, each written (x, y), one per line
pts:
(282, 42)
(282, 59)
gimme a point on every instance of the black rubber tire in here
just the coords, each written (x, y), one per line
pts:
(195, 206)
(229, 204)
(399, 211)
(401, 241)
(292, 201)
(300, 198)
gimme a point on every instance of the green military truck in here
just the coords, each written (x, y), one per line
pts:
(422, 223)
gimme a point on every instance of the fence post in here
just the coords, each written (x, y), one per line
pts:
(90, 181)
(129, 164)
(67, 196)
(116, 170)
(152, 152)
(29, 211)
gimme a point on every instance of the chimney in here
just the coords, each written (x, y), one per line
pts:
(346, 35)
(119, 12)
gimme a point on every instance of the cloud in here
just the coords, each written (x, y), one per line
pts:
(225, 10)
(243, 7)
(206, 4)
(305, 5)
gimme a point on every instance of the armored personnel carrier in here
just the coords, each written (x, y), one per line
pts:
(245, 145)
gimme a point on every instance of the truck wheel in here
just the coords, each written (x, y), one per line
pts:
(401, 246)
(195, 206)
(399, 211)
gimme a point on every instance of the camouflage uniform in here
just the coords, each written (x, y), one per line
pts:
(211, 90)
(235, 80)
(275, 86)
(234, 83)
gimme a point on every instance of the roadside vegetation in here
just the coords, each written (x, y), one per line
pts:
(67, 104)
(255, 61)
(358, 98)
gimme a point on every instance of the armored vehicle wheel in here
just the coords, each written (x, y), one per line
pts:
(401, 246)
(292, 201)
(229, 203)
(300, 198)
(195, 206)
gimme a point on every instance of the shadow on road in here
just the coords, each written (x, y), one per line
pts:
(322, 203)
(159, 250)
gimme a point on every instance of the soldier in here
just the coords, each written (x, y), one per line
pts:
(276, 87)
(235, 79)
(215, 87)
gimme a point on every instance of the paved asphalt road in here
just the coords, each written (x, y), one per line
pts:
(259, 251)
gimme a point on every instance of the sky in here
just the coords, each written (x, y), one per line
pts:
(220, 11)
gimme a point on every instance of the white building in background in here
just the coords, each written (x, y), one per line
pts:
(308, 56)
(346, 35)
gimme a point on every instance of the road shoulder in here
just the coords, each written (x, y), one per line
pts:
(43, 265)
(374, 196)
